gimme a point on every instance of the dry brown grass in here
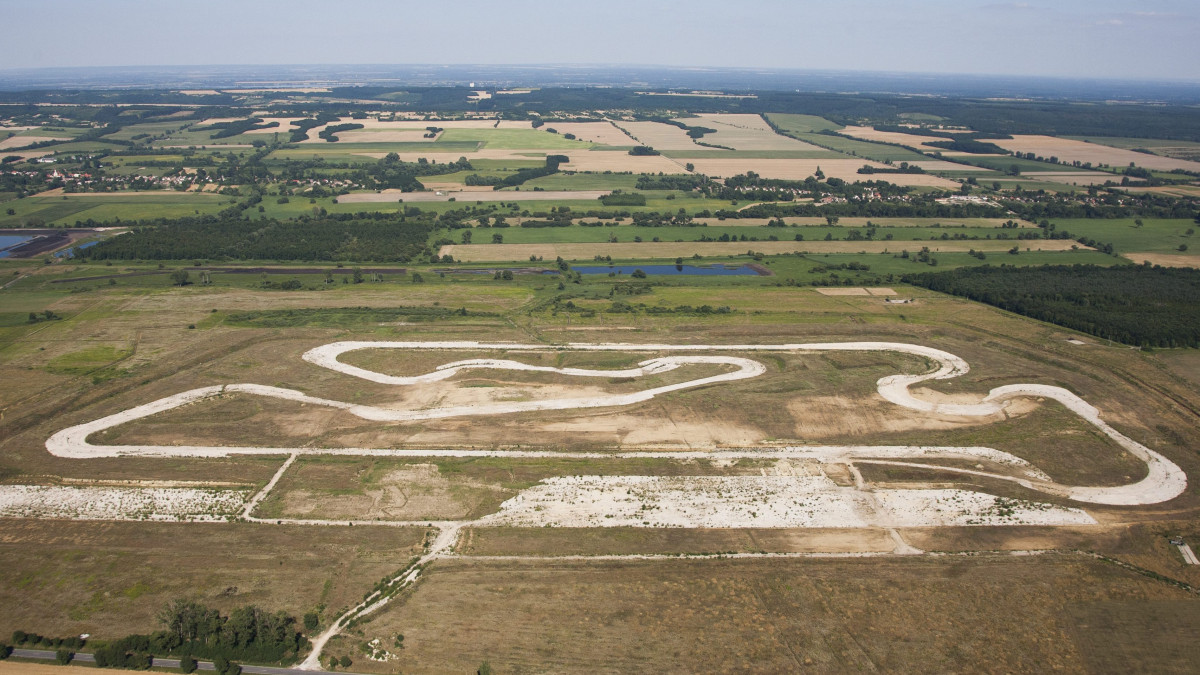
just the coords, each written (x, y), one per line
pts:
(109, 579)
(672, 250)
(551, 542)
(989, 613)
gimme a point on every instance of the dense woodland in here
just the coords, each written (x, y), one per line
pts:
(1133, 304)
(383, 237)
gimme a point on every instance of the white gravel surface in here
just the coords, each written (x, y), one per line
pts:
(759, 502)
(110, 503)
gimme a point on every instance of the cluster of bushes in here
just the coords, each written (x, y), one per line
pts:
(619, 198)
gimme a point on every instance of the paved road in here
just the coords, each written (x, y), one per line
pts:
(48, 655)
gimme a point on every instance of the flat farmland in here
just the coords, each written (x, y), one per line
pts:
(802, 124)
(489, 195)
(105, 206)
(600, 160)
(1187, 150)
(785, 616)
(110, 579)
(600, 133)
(894, 138)
(746, 132)
(672, 250)
(1071, 151)
(513, 139)
(1077, 178)
(849, 221)
(659, 136)
(799, 169)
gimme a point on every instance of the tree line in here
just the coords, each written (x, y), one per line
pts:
(1136, 305)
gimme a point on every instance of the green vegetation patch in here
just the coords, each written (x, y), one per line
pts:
(344, 316)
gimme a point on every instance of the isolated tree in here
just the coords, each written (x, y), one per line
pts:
(179, 277)
(357, 275)
(345, 661)
(832, 221)
(63, 657)
(311, 621)
(187, 664)
(497, 239)
(690, 167)
(466, 236)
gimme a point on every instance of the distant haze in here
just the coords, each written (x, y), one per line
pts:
(1149, 39)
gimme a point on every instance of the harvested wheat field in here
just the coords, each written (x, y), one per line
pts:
(22, 141)
(799, 169)
(603, 133)
(285, 125)
(895, 138)
(659, 136)
(612, 160)
(747, 132)
(671, 250)
(1165, 259)
(1079, 151)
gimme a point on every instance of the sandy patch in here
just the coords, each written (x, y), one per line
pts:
(1070, 151)
(759, 502)
(415, 492)
(112, 503)
(472, 195)
(746, 132)
(672, 250)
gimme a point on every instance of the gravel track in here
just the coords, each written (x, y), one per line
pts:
(1164, 479)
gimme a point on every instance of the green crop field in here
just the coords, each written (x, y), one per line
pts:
(802, 124)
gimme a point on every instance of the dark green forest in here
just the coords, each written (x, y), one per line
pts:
(381, 237)
(1132, 304)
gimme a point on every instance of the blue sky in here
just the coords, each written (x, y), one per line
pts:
(1150, 39)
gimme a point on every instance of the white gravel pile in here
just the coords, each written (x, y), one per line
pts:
(110, 503)
(759, 501)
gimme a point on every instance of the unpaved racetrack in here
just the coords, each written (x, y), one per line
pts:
(1164, 479)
